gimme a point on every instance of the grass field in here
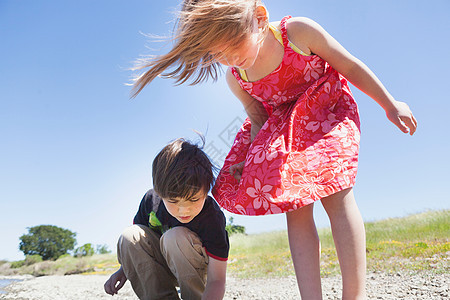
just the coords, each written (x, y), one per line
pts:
(414, 244)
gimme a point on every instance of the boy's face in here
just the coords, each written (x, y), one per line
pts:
(186, 210)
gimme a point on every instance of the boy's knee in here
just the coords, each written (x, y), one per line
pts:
(138, 240)
(138, 237)
(175, 237)
(180, 239)
(132, 235)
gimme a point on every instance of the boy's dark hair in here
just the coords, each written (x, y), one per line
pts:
(181, 170)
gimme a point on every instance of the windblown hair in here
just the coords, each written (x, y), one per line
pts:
(201, 26)
(181, 170)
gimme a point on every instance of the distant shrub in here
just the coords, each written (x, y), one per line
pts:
(29, 260)
(17, 264)
(102, 249)
(32, 259)
(232, 229)
(85, 250)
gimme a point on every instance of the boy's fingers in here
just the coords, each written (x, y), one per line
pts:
(120, 285)
(107, 288)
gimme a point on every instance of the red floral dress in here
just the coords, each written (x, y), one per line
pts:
(308, 147)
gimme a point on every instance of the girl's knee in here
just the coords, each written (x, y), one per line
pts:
(303, 214)
(340, 203)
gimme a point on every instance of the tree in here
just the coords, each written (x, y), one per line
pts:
(85, 250)
(48, 241)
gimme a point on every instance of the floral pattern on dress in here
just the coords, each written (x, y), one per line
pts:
(308, 147)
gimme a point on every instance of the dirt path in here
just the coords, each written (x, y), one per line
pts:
(379, 286)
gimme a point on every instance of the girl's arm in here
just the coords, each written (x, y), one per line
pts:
(303, 31)
(255, 111)
(215, 279)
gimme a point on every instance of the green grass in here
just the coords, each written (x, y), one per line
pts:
(417, 243)
(259, 255)
(96, 264)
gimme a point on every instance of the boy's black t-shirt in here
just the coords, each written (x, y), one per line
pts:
(209, 224)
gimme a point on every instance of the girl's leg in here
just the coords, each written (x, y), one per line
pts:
(349, 237)
(305, 251)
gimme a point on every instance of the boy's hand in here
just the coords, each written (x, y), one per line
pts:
(236, 170)
(115, 282)
(402, 117)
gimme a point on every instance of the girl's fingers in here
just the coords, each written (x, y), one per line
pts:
(410, 123)
(401, 125)
(237, 167)
(236, 170)
(232, 169)
(414, 121)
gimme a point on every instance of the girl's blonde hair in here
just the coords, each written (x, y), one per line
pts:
(201, 26)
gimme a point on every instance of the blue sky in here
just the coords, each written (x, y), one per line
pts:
(76, 152)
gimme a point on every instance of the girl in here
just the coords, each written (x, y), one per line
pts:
(300, 141)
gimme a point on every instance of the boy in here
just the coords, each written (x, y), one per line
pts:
(178, 237)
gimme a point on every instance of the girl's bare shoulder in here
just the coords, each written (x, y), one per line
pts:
(299, 30)
(301, 25)
(296, 23)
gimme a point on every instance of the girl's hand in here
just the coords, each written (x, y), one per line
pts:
(402, 117)
(236, 170)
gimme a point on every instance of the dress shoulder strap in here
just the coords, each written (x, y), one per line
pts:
(284, 31)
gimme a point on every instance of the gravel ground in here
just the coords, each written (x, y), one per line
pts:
(379, 286)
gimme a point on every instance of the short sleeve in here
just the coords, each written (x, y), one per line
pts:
(145, 208)
(212, 231)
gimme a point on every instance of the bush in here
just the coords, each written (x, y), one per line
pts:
(32, 259)
(102, 249)
(85, 250)
(17, 264)
(232, 229)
